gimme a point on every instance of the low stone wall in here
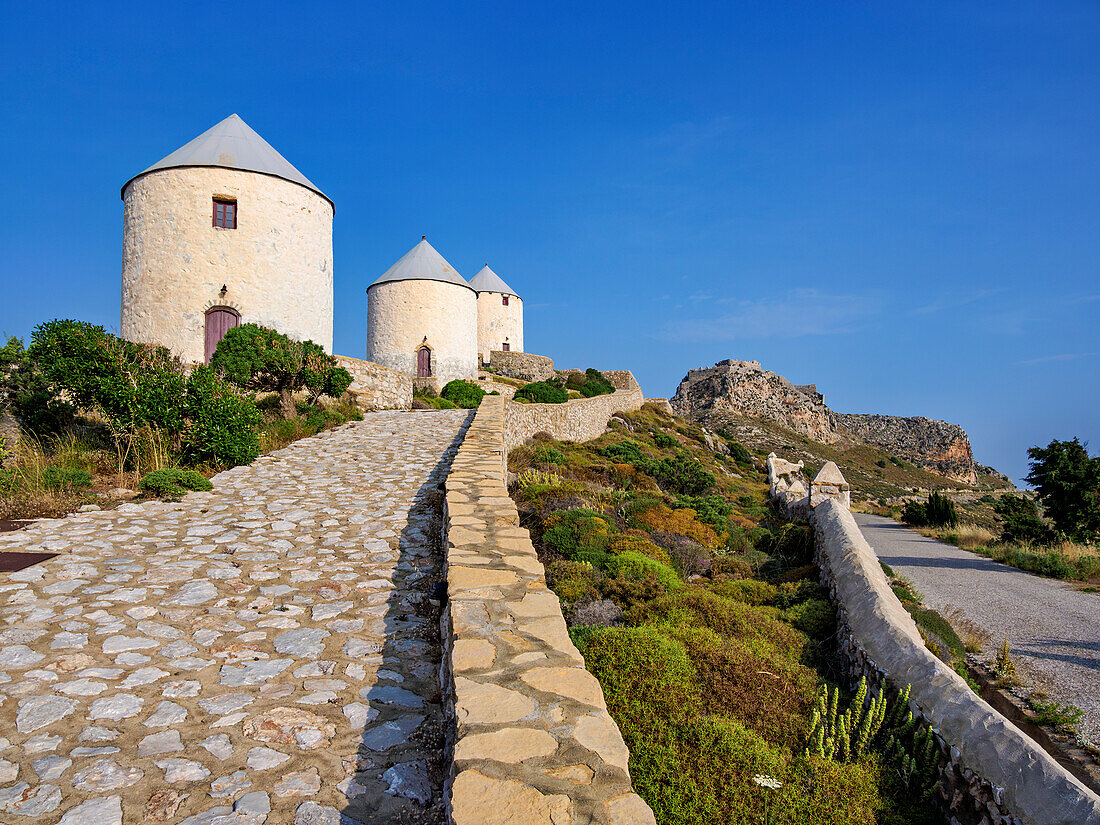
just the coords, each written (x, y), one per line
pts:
(581, 419)
(522, 365)
(995, 773)
(534, 743)
(375, 387)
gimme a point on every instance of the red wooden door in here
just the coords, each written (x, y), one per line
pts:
(219, 321)
(423, 363)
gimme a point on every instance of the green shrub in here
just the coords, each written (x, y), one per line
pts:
(541, 392)
(569, 531)
(258, 358)
(940, 511)
(712, 509)
(548, 455)
(881, 463)
(683, 474)
(915, 513)
(173, 483)
(132, 386)
(634, 566)
(1021, 522)
(664, 441)
(221, 423)
(814, 617)
(739, 453)
(595, 384)
(464, 394)
(64, 478)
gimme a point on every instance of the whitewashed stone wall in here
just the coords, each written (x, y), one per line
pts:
(276, 265)
(404, 315)
(374, 387)
(497, 323)
(534, 743)
(995, 774)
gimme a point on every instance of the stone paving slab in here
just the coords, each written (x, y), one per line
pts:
(263, 653)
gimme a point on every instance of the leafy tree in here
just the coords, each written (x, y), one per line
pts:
(260, 359)
(1067, 480)
(1020, 517)
(542, 392)
(130, 385)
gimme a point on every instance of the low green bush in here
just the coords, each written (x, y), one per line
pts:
(221, 424)
(1020, 521)
(740, 454)
(65, 478)
(683, 474)
(548, 455)
(595, 384)
(464, 394)
(174, 482)
(664, 441)
(541, 392)
(712, 509)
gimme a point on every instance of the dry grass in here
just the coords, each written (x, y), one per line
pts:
(966, 536)
(974, 638)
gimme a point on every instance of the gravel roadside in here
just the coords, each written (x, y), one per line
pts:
(1053, 630)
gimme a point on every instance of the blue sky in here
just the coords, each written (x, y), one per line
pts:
(899, 202)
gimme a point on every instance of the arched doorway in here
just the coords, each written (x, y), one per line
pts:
(219, 320)
(424, 363)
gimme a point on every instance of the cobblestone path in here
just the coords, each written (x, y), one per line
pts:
(264, 653)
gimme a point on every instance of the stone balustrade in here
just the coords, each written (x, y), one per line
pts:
(994, 773)
(534, 742)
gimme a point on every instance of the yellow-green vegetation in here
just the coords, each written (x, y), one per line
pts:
(701, 616)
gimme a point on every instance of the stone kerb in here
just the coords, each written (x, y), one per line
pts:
(534, 742)
(995, 773)
(375, 387)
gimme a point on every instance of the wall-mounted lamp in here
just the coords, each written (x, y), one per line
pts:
(225, 289)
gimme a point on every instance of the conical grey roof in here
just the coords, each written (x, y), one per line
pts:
(489, 281)
(422, 263)
(233, 144)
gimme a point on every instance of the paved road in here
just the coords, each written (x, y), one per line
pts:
(1052, 629)
(261, 653)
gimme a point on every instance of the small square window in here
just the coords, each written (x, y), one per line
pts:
(506, 345)
(225, 213)
(504, 300)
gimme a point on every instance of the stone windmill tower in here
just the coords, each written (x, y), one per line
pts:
(499, 315)
(220, 232)
(422, 318)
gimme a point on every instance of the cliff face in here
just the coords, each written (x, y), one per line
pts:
(745, 388)
(935, 445)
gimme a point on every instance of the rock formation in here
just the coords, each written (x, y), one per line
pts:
(934, 445)
(745, 389)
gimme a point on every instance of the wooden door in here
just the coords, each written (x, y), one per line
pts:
(423, 363)
(219, 320)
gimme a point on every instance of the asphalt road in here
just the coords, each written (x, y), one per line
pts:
(1053, 630)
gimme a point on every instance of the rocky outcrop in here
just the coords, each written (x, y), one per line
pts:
(744, 389)
(934, 445)
(747, 389)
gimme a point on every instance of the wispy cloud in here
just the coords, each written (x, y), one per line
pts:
(795, 314)
(1064, 356)
(955, 301)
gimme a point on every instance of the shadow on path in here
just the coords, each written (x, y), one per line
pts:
(400, 761)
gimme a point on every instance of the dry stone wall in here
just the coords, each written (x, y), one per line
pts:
(534, 742)
(522, 365)
(995, 774)
(581, 419)
(375, 387)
